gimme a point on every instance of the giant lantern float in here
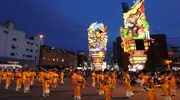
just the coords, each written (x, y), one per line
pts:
(97, 37)
(135, 34)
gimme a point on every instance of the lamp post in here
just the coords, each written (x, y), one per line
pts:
(41, 38)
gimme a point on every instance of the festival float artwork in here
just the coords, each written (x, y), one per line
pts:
(135, 34)
(97, 38)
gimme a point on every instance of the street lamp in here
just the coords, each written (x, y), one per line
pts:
(41, 36)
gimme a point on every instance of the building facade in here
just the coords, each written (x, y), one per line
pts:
(157, 53)
(57, 58)
(81, 59)
(119, 55)
(174, 55)
(16, 48)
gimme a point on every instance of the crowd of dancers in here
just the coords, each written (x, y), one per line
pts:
(105, 80)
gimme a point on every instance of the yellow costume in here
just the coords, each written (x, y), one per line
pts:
(4, 75)
(46, 84)
(150, 88)
(33, 75)
(172, 84)
(18, 77)
(108, 87)
(9, 76)
(79, 83)
(165, 87)
(101, 84)
(1, 76)
(27, 81)
(113, 76)
(55, 80)
(127, 82)
(62, 77)
(40, 76)
(93, 79)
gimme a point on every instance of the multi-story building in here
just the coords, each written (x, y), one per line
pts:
(119, 55)
(82, 59)
(174, 55)
(57, 58)
(157, 53)
(16, 48)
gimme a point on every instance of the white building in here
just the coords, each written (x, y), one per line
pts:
(16, 48)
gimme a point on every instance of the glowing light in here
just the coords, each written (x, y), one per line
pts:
(97, 37)
(41, 36)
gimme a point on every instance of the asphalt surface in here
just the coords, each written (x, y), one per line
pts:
(65, 92)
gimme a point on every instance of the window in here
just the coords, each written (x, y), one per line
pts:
(13, 47)
(23, 55)
(27, 49)
(62, 59)
(44, 58)
(31, 50)
(32, 43)
(12, 54)
(36, 44)
(53, 59)
(28, 42)
(57, 59)
(30, 56)
(14, 39)
(5, 31)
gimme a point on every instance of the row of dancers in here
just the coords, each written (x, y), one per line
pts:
(105, 79)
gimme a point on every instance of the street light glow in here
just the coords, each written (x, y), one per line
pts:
(41, 36)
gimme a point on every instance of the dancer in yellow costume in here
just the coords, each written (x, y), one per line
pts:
(79, 83)
(27, 80)
(172, 83)
(165, 86)
(19, 78)
(1, 74)
(62, 77)
(114, 76)
(55, 79)
(9, 76)
(149, 86)
(101, 83)
(93, 74)
(107, 85)
(33, 75)
(127, 82)
(46, 83)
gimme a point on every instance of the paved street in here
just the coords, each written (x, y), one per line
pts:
(65, 92)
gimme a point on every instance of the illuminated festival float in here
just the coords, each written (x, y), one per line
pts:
(135, 34)
(97, 37)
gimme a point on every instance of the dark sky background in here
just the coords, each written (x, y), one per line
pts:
(64, 23)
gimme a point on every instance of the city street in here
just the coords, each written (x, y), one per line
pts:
(65, 92)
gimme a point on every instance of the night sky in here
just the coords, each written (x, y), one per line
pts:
(64, 23)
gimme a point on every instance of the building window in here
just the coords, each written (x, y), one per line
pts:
(12, 54)
(31, 50)
(27, 49)
(54, 59)
(36, 44)
(23, 55)
(28, 42)
(14, 39)
(57, 59)
(62, 59)
(32, 43)
(44, 58)
(30, 56)
(13, 47)
(5, 31)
